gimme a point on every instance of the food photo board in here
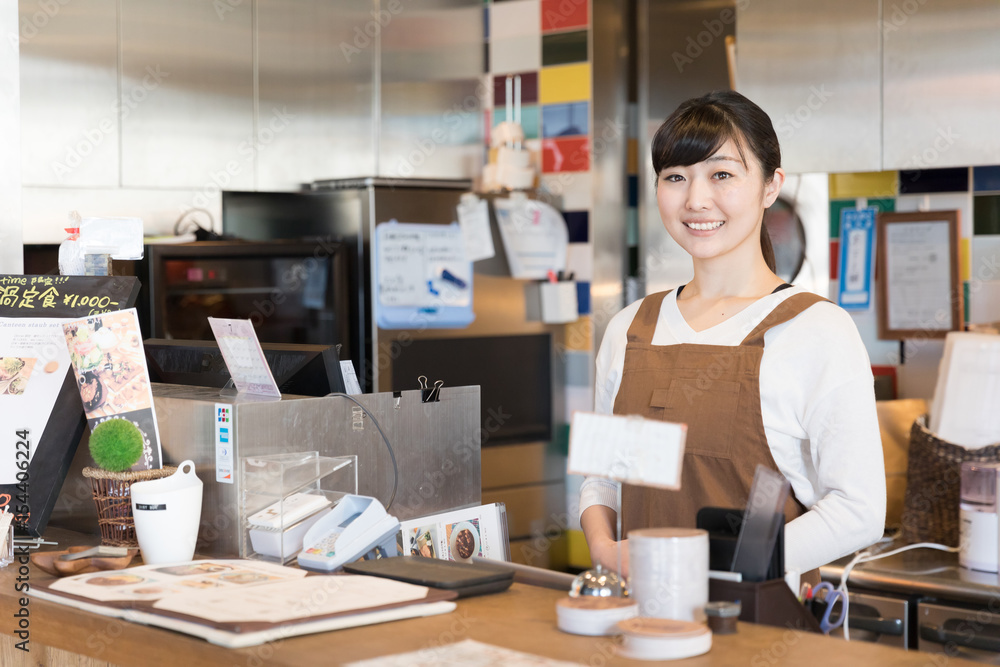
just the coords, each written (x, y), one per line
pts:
(41, 414)
(110, 366)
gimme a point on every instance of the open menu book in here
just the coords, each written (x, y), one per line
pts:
(460, 535)
(237, 603)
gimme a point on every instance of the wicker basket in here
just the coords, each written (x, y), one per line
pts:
(933, 485)
(112, 495)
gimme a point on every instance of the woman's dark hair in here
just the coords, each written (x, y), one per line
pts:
(700, 126)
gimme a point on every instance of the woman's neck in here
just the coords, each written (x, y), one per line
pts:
(728, 277)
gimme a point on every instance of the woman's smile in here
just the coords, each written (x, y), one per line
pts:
(703, 226)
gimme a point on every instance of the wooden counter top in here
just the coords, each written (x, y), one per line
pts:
(523, 618)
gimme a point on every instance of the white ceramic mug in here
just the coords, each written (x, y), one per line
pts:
(167, 514)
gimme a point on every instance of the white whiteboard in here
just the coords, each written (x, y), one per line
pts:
(414, 262)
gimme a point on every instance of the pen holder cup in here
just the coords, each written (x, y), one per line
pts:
(558, 302)
(167, 515)
(765, 603)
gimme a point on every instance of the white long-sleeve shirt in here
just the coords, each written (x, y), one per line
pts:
(818, 407)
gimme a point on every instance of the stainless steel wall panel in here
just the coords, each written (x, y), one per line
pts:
(316, 59)
(69, 93)
(11, 246)
(187, 94)
(816, 69)
(432, 91)
(671, 71)
(610, 137)
(942, 83)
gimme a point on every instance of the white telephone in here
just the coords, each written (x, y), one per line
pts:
(355, 526)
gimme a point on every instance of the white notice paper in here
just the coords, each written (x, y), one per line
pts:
(534, 236)
(474, 219)
(919, 284)
(631, 449)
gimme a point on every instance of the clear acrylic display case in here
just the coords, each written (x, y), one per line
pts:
(269, 481)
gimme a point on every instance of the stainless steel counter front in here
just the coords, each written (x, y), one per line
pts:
(921, 571)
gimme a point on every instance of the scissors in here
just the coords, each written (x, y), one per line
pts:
(829, 601)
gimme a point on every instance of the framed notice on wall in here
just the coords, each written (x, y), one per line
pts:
(920, 294)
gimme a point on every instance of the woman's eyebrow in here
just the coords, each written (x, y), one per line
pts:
(723, 158)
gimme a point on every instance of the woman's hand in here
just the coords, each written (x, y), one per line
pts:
(598, 523)
(605, 553)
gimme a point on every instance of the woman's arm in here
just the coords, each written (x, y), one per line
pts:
(598, 523)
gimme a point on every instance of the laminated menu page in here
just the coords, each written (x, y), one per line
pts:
(110, 365)
(459, 535)
(244, 356)
(237, 603)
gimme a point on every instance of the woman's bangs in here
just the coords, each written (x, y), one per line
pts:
(692, 138)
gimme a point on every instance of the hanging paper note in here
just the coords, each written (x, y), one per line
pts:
(474, 219)
(423, 276)
(534, 235)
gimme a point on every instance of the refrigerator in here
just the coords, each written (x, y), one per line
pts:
(346, 211)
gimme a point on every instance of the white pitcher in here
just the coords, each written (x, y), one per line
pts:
(167, 514)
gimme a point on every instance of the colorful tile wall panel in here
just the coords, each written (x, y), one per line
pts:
(529, 119)
(579, 335)
(986, 179)
(563, 48)
(632, 157)
(570, 190)
(578, 224)
(569, 154)
(529, 88)
(986, 214)
(632, 227)
(834, 261)
(866, 184)
(517, 18)
(922, 181)
(566, 83)
(580, 261)
(515, 54)
(564, 14)
(565, 120)
(964, 259)
(583, 297)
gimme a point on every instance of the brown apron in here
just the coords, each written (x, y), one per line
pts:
(715, 390)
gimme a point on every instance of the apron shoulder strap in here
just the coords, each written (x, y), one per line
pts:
(644, 323)
(784, 311)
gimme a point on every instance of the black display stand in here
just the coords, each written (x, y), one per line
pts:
(67, 297)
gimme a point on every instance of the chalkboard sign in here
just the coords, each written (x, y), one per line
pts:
(43, 418)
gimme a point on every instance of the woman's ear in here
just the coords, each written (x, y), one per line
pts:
(773, 187)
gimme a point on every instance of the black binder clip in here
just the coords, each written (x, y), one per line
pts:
(429, 394)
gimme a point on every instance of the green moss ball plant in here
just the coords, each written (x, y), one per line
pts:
(116, 444)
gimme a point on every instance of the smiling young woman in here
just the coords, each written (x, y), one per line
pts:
(762, 373)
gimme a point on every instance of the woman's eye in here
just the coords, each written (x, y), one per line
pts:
(722, 175)
(673, 178)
